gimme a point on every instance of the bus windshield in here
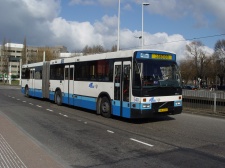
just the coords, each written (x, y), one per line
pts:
(155, 73)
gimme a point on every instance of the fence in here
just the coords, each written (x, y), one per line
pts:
(204, 101)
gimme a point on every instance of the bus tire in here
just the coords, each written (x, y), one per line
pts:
(58, 98)
(105, 107)
(27, 91)
(99, 105)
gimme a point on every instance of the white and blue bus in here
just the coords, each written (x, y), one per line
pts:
(129, 84)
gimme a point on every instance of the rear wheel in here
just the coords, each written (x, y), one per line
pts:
(105, 107)
(58, 98)
(27, 92)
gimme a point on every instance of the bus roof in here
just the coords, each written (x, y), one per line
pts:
(101, 56)
(32, 65)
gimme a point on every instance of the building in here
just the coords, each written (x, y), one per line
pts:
(12, 53)
(10, 57)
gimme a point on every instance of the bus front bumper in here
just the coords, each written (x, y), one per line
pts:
(148, 113)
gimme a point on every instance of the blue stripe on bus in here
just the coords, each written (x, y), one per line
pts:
(116, 107)
(52, 95)
(83, 101)
(76, 100)
(126, 110)
(65, 98)
(33, 92)
(38, 93)
(89, 103)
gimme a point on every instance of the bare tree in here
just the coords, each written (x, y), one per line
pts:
(200, 59)
(219, 56)
(3, 56)
(24, 52)
(50, 54)
(187, 70)
(5, 59)
(31, 57)
(114, 48)
(93, 50)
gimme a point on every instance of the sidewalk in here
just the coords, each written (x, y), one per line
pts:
(17, 150)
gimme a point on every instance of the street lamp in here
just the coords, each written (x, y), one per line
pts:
(142, 32)
(139, 37)
(118, 35)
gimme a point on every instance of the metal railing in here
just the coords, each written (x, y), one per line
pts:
(204, 101)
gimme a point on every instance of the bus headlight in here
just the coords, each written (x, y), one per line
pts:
(177, 103)
(146, 105)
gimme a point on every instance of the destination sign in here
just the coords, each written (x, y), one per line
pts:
(154, 55)
(162, 56)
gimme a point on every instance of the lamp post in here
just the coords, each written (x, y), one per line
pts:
(20, 72)
(118, 32)
(142, 32)
(10, 73)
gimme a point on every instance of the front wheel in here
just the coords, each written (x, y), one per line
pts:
(105, 107)
(58, 98)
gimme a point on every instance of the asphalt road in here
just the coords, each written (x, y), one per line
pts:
(80, 138)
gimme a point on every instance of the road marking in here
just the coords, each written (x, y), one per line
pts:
(49, 110)
(38, 106)
(18, 99)
(13, 97)
(85, 122)
(110, 131)
(63, 115)
(31, 104)
(24, 101)
(141, 142)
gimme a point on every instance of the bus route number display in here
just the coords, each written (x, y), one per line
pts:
(162, 56)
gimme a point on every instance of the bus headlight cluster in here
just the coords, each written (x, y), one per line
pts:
(146, 105)
(177, 103)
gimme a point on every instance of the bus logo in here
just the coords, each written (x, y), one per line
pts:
(91, 85)
(152, 100)
(144, 55)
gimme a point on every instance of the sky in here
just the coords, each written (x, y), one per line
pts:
(168, 24)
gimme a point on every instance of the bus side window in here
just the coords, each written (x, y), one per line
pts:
(71, 73)
(117, 82)
(26, 73)
(32, 74)
(66, 73)
(126, 84)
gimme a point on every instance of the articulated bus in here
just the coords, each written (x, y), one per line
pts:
(129, 84)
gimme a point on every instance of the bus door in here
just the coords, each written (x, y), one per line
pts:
(122, 76)
(31, 83)
(68, 84)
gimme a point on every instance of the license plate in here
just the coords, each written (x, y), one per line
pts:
(163, 110)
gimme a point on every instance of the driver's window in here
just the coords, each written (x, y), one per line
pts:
(137, 74)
